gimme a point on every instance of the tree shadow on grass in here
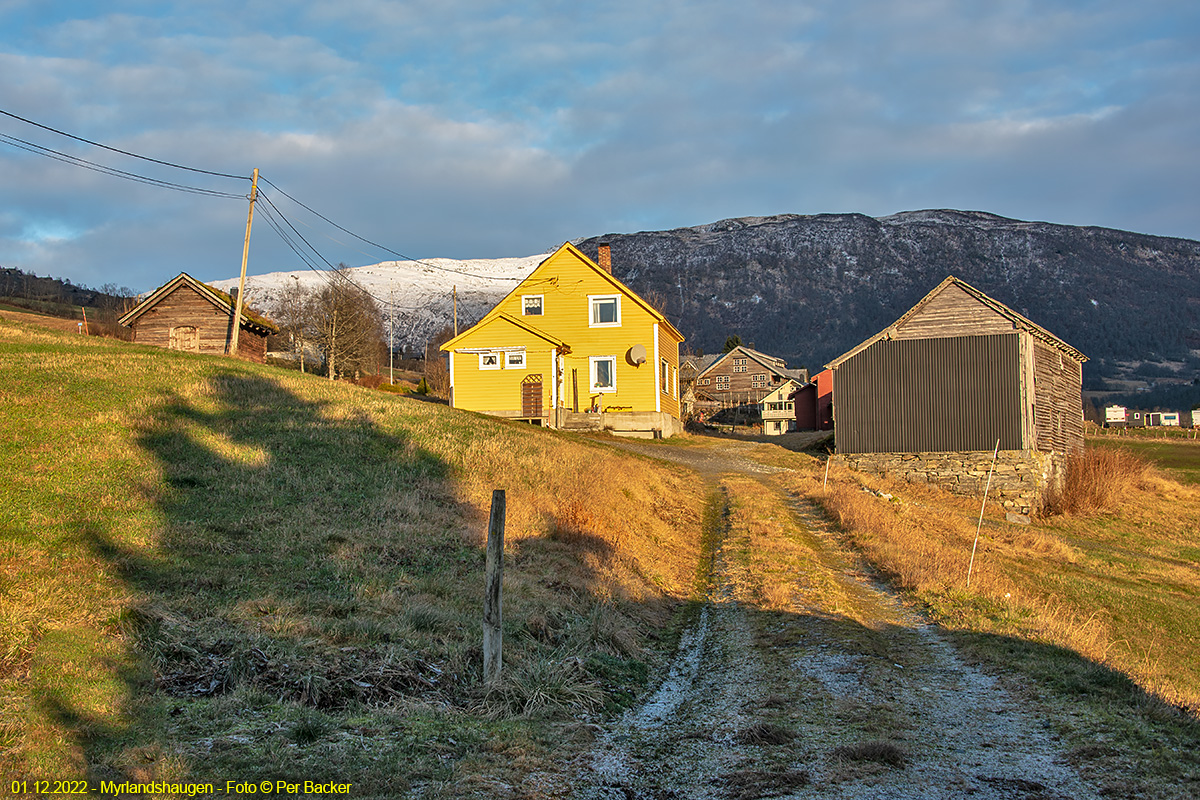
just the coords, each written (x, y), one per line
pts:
(290, 543)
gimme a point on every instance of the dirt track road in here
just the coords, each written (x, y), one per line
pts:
(810, 703)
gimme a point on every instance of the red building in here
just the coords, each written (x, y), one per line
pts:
(814, 403)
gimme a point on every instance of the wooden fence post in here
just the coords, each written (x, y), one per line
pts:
(492, 598)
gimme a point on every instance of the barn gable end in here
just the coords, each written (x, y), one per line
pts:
(932, 395)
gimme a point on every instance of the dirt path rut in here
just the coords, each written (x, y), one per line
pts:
(869, 702)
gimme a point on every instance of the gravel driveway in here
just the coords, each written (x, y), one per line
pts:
(809, 704)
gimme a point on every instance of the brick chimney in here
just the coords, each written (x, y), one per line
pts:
(605, 258)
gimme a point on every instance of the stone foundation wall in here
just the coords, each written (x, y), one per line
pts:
(1020, 478)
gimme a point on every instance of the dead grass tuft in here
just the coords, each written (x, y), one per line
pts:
(751, 784)
(1097, 479)
(765, 733)
(879, 752)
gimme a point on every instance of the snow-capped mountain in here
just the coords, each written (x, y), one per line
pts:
(418, 293)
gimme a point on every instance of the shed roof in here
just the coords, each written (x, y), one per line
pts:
(1018, 321)
(225, 302)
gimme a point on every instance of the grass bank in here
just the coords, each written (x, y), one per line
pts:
(218, 570)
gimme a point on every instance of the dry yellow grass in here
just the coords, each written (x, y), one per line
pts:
(1065, 580)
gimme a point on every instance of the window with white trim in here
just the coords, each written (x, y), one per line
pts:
(490, 361)
(664, 376)
(531, 305)
(722, 381)
(759, 381)
(604, 310)
(515, 359)
(602, 371)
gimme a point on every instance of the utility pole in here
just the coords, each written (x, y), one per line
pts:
(392, 336)
(454, 294)
(237, 314)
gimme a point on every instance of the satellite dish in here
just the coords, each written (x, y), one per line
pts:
(637, 355)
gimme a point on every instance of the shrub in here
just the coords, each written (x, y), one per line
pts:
(1096, 480)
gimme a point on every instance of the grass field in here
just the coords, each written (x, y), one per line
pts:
(1179, 457)
(213, 569)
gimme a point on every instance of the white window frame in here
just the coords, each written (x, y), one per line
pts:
(592, 387)
(508, 359)
(664, 376)
(592, 300)
(497, 355)
(541, 298)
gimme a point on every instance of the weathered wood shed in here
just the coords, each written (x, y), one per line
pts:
(928, 397)
(185, 314)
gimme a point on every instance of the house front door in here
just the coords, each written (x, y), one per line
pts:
(531, 396)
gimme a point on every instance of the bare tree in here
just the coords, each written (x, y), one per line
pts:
(295, 317)
(348, 326)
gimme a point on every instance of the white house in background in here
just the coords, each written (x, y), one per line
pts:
(778, 410)
(1114, 416)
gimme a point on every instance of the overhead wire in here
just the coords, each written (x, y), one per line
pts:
(66, 158)
(384, 248)
(271, 211)
(122, 152)
(274, 219)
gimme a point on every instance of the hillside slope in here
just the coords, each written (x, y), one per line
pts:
(215, 569)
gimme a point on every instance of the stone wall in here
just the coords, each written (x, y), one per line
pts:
(1020, 477)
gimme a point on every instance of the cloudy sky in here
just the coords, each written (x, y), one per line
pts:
(480, 129)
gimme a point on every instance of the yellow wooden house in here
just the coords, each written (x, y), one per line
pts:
(571, 347)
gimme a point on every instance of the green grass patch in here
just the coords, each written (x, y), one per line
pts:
(1180, 457)
(219, 570)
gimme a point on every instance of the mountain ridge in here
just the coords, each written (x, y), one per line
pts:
(809, 287)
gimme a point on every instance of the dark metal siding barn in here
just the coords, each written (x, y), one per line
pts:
(930, 395)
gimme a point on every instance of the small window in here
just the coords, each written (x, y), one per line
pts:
(722, 381)
(739, 367)
(531, 305)
(603, 373)
(664, 374)
(515, 359)
(705, 381)
(605, 311)
(489, 361)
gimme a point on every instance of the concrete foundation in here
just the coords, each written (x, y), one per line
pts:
(635, 424)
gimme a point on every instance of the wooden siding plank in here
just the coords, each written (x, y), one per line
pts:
(953, 313)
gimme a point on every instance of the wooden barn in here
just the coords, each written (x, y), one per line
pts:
(185, 314)
(928, 398)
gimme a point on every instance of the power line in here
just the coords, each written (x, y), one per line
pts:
(275, 223)
(76, 161)
(271, 211)
(122, 152)
(380, 246)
